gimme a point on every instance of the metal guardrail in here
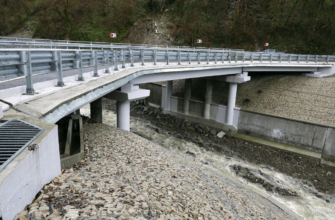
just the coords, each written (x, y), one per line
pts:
(16, 62)
(16, 41)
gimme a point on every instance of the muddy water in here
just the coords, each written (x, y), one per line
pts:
(299, 196)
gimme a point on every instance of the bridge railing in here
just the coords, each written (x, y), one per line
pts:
(51, 57)
(53, 41)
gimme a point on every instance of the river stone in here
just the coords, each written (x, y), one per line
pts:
(212, 132)
(220, 134)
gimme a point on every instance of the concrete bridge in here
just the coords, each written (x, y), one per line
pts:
(42, 82)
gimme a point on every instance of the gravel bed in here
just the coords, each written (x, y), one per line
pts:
(124, 176)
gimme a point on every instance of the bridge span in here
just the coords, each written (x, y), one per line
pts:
(72, 86)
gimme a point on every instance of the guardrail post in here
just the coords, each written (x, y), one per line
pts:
(207, 57)
(142, 57)
(236, 57)
(316, 58)
(216, 57)
(179, 57)
(289, 58)
(54, 63)
(131, 58)
(280, 58)
(76, 61)
(229, 56)
(222, 57)
(270, 57)
(123, 59)
(107, 61)
(92, 60)
(307, 58)
(261, 58)
(95, 74)
(252, 57)
(80, 75)
(60, 81)
(243, 57)
(327, 58)
(23, 59)
(167, 57)
(29, 77)
(199, 57)
(299, 58)
(189, 57)
(116, 68)
(155, 57)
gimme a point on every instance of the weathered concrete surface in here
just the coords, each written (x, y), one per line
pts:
(25, 176)
(70, 99)
(296, 133)
(156, 94)
(329, 146)
(127, 177)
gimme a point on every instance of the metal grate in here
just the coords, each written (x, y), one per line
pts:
(15, 136)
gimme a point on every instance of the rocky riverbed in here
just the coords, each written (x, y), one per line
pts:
(124, 176)
(322, 177)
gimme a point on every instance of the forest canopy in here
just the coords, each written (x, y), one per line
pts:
(297, 26)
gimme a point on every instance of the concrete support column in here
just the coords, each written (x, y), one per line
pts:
(167, 96)
(187, 95)
(96, 110)
(208, 99)
(128, 93)
(123, 115)
(231, 103)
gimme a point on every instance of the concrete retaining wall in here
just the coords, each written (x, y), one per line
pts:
(313, 137)
(25, 176)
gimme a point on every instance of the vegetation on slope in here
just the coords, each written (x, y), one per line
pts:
(298, 26)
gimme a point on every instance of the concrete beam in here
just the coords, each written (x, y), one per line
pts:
(187, 74)
(280, 69)
(239, 78)
(127, 95)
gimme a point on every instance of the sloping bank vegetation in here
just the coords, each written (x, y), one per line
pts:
(297, 26)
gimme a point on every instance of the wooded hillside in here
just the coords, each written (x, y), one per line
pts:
(297, 26)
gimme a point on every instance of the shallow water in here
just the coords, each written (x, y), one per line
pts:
(305, 204)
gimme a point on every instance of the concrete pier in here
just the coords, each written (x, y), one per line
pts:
(187, 95)
(123, 115)
(128, 92)
(231, 103)
(208, 99)
(96, 110)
